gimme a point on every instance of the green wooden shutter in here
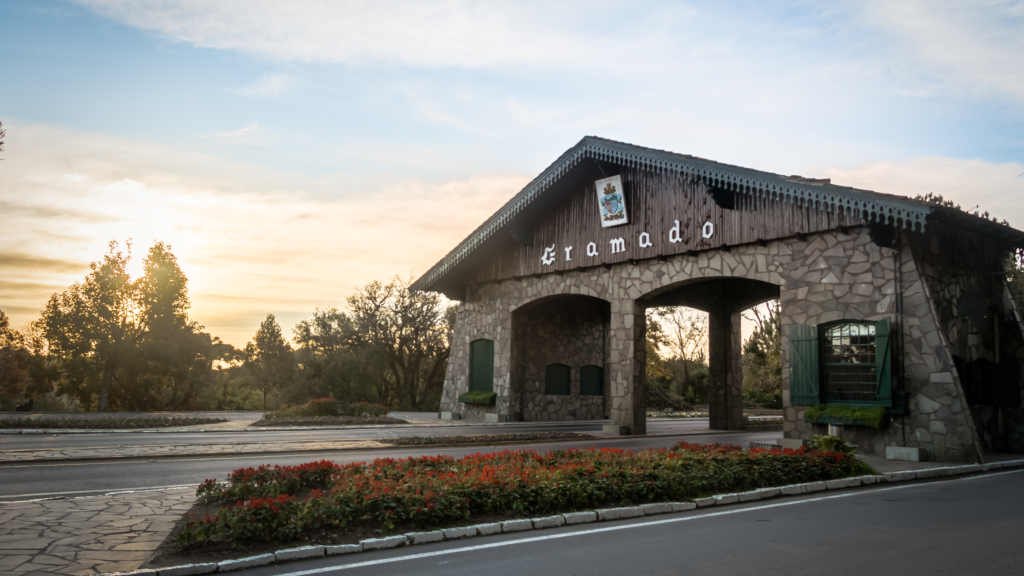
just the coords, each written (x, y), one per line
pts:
(556, 379)
(481, 365)
(591, 381)
(883, 363)
(803, 365)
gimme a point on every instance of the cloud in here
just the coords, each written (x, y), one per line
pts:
(251, 134)
(459, 33)
(975, 47)
(269, 85)
(251, 240)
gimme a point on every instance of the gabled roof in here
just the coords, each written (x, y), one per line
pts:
(871, 206)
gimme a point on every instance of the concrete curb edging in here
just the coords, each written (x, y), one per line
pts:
(570, 518)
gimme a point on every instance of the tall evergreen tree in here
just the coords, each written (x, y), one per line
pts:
(268, 358)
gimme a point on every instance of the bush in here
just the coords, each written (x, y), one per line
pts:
(478, 397)
(876, 417)
(434, 491)
(830, 444)
(319, 407)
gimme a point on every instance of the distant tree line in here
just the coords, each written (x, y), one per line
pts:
(113, 343)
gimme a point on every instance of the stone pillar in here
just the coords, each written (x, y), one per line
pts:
(626, 368)
(725, 384)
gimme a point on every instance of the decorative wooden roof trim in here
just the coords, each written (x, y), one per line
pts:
(870, 206)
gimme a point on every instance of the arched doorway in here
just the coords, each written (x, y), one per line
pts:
(558, 359)
(724, 299)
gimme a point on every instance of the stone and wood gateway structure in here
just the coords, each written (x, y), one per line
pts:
(886, 301)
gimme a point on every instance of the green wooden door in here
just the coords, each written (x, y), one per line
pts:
(803, 365)
(591, 381)
(556, 379)
(481, 365)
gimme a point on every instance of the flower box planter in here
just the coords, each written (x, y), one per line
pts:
(477, 397)
(844, 415)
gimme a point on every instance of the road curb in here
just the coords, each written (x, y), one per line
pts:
(610, 514)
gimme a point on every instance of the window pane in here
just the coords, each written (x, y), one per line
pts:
(848, 351)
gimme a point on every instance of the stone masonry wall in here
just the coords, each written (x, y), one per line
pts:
(824, 277)
(837, 276)
(964, 276)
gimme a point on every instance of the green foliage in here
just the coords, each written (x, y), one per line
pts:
(873, 416)
(268, 358)
(24, 372)
(411, 330)
(762, 359)
(104, 423)
(126, 344)
(261, 504)
(320, 407)
(478, 397)
(825, 443)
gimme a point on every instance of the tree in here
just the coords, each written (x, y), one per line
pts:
(130, 342)
(3, 134)
(762, 357)
(686, 336)
(93, 327)
(268, 358)
(412, 330)
(332, 361)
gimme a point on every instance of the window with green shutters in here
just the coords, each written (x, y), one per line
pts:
(844, 362)
(591, 381)
(481, 365)
(556, 379)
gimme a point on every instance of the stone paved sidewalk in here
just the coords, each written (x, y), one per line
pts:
(91, 535)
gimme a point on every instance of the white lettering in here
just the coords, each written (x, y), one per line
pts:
(709, 229)
(673, 235)
(645, 240)
(568, 252)
(549, 255)
(591, 249)
(618, 245)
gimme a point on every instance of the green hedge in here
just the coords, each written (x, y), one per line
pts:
(875, 417)
(478, 397)
(280, 503)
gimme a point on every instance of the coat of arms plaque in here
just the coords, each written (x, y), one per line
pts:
(611, 201)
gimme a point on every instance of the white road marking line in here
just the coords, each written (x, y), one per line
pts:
(625, 527)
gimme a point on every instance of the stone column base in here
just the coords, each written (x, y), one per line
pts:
(615, 430)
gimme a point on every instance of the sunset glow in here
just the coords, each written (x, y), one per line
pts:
(292, 153)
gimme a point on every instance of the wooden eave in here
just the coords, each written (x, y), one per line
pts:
(450, 273)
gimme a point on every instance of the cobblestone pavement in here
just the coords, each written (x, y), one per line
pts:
(92, 535)
(106, 452)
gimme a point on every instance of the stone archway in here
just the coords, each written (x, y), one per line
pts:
(723, 298)
(570, 331)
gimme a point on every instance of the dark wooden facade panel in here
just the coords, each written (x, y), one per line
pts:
(654, 202)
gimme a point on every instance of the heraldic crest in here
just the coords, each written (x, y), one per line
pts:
(611, 202)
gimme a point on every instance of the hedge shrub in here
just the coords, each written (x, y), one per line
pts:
(434, 491)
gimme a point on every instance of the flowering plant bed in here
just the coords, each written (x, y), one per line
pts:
(324, 502)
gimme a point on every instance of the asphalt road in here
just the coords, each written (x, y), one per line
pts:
(38, 441)
(70, 479)
(959, 527)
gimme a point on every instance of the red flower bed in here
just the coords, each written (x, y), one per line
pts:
(433, 491)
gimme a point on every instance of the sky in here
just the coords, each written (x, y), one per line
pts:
(292, 151)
